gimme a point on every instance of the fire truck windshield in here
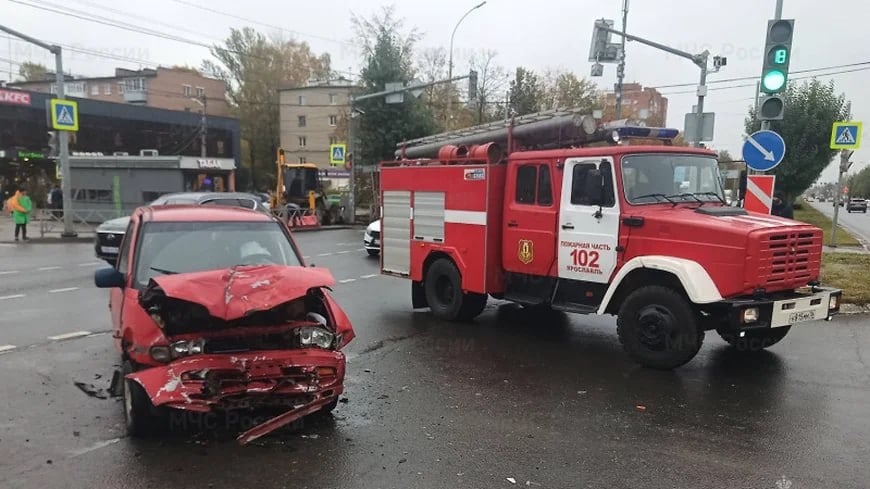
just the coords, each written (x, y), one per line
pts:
(653, 178)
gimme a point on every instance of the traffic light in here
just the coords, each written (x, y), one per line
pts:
(52, 143)
(771, 108)
(472, 85)
(777, 55)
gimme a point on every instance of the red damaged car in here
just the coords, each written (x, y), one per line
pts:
(214, 309)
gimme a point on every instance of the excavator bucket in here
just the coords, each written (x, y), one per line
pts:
(302, 219)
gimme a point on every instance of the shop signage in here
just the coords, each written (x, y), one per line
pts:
(31, 155)
(16, 97)
(209, 164)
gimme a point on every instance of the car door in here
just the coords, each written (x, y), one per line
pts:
(588, 232)
(124, 265)
(529, 220)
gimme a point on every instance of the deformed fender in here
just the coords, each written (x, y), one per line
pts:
(695, 280)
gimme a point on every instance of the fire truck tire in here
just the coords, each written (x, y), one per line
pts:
(443, 287)
(658, 328)
(754, 341)
(141, 418)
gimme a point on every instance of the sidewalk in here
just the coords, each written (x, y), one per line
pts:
(44, 232)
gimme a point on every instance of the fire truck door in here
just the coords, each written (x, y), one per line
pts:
(588, 230)
(529, 220)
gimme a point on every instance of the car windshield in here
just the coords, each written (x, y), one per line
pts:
(183, 247)
(676, 178)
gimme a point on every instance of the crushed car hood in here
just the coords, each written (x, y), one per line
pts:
(237, 292)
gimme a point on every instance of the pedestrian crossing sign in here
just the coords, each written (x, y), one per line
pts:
(846, 135)
(64, 115)
(337, 154)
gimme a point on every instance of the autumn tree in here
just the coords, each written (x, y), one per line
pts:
(811, 108)
(254, 67)
(29, 71)
(526, 92)
(567, 90)
(492, 82)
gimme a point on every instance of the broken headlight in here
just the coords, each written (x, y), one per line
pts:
(314, 336)
(184, 348)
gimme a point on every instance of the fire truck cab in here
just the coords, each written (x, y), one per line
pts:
(638, 231)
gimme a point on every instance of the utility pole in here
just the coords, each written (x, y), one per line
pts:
(844, 167)
(450, 64)
(620, 69)
(352, 155)
(204, 129)
(63, 136)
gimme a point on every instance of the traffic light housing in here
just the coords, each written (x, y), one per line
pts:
(777, 55)
(472, 85)
(53, 144)
(771, 108)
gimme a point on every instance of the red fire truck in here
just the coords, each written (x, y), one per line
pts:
(555, 210)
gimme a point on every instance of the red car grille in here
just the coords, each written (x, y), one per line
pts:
(789, 259)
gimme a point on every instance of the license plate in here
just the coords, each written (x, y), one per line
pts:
(800, 317)
(109, 249)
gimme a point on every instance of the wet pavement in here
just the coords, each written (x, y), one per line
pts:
(513, 399)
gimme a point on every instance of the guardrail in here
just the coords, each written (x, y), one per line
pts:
(85, 221)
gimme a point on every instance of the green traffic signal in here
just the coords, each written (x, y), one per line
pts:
(773, 81)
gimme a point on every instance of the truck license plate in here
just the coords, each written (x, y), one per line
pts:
(109, 249)
(800, 317)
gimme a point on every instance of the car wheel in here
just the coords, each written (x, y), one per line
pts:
(754, 341)
(658, 328)
(443, 287)
(140, 415)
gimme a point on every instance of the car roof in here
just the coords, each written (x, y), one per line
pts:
(196, 213)
(200, 196)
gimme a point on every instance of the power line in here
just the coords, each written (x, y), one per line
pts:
(745, 78)
(745, 85)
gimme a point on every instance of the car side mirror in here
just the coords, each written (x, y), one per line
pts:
(594, 187)
(109, 278)
(743, 183)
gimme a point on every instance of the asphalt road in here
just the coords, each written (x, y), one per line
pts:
(542, 401)
(857, 223)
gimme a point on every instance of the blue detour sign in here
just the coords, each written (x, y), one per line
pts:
(763, 150)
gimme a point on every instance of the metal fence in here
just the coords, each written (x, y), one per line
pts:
(85, 221)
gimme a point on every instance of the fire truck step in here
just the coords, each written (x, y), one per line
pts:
(575, 307)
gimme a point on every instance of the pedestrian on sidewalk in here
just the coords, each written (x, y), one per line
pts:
(21, 207)
(55, 200)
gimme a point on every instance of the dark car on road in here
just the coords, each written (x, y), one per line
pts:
(215, 310)
(111, 233)
(857, 205)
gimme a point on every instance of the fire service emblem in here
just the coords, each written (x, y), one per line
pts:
(526, 251)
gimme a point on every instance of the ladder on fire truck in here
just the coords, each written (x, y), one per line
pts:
(551, 129)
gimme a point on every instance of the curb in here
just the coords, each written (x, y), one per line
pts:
(323, 228)
(853, 309)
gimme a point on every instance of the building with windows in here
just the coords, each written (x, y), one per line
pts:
(638, 103)
(313, 117)
(163, 88)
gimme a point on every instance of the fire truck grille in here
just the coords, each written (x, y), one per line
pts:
(791, 259)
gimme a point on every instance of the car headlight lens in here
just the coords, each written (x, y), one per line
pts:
(834, 302)
(160, 354)
(750, 315)
(184, 348)
(314, 336)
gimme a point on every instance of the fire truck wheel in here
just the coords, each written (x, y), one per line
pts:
(140, 416)
(658, 328)
(754, 341)
(443, 286)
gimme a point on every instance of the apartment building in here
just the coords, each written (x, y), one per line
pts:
(312, 117)
(164, 88)
(639, 103)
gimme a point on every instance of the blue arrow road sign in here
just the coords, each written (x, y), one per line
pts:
(763, 150)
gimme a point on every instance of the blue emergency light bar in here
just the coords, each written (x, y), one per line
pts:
(620, 133)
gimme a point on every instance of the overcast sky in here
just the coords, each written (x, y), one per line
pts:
(538, 35)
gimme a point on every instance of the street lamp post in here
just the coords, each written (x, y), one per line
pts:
(203, 128)
(450, 63)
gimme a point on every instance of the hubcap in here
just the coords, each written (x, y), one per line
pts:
(656, 328)
(444, 290)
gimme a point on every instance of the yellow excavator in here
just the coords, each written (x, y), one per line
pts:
(300, 192)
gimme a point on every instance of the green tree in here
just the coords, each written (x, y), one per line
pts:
(725, 156)
(526, 92)
(29, 71)
(254, 67)
(567, 90)
(859, 184)
(811, 108)
(387, 50)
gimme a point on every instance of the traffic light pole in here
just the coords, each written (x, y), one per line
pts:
(700, 60)
(63, 136)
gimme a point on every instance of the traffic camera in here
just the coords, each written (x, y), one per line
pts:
(777, 55)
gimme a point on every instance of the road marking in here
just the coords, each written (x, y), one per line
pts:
(95, 446)
(68, 289)
(90, 264)
(373, 275)
(46, 269)
(306, 257)
(69, 336)
(9, 272)
(16, 296)
(6, 348)
(347, 281)
(345, 252)
(360, 249)
(326, 254)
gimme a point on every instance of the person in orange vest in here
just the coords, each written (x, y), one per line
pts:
(21, 206)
